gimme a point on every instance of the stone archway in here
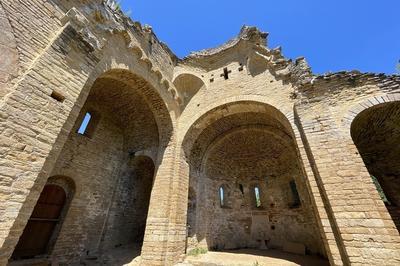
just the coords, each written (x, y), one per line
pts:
(376, 134)
(248, 149)
(63, 92)
(113, 151)
(46, 220)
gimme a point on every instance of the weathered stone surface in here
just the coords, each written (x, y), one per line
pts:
(166, 134)
(8, 54)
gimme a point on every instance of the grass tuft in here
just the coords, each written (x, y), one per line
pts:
(197, 251)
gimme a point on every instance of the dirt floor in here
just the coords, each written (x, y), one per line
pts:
(130, 256)
(124, 255)
(252, 258)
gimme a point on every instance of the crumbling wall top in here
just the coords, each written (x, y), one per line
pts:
(247, 33)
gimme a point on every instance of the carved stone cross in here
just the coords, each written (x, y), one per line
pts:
(226, 73)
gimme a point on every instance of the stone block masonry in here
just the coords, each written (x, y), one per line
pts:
(110, 144)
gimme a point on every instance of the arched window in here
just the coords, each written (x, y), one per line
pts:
(257, 196)
(221, 196)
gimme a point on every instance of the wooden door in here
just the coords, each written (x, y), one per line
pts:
(41, 224)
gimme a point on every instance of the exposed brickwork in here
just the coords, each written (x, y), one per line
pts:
(167, 133)
(8, 53)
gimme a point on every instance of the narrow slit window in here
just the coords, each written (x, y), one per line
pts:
(257, 197)
(84, 125)
(241, 188)
(221, 197)
(295, 195)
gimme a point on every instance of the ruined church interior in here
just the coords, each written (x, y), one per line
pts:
(114, 151)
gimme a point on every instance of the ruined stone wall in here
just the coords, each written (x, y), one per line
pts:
(94, 164)
(326, 111)
(110, 20)
(8, 53)
(47, 99)
(34, 24)
(31, 134)
(240, 161)
(250, 79)
(376, 136)
(127, 216)
(239, 85)
(156, 106)
(114, 188)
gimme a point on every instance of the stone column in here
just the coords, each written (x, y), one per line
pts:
(320, 208)
(179, 203)
(154, 250)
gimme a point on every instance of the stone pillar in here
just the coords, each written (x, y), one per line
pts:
(154, 250)
(365, 232)
(34, 125)
(312, 178)
(178, 216)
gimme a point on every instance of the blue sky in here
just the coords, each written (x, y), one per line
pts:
(333, 35)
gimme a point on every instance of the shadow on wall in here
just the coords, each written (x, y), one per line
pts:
(376, 134)
(129, 104)
(187, 85)
(257, 64)
(128, 214)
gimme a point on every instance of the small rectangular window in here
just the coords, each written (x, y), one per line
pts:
(57, 96)
(221, 197)
(84, 125)
(257, 197)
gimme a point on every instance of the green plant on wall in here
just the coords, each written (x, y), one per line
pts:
(118, 7)
(380, 190)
